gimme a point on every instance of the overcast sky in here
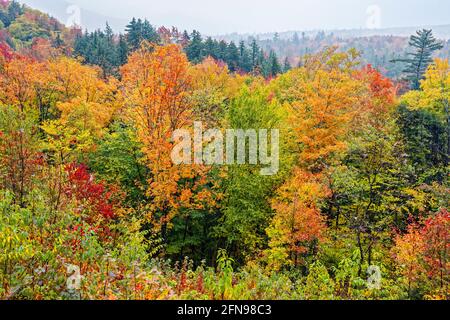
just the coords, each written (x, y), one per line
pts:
(249, 16)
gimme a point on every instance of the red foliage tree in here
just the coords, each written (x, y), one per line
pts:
(82, 187)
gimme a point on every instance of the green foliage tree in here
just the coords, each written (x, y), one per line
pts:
(25, 30)
(246, 211)
(118, 159)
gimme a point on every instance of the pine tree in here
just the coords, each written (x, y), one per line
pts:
(58, 42)
(132, 34)
(185, 39)
(423, 45)
(222, 50)
(232, 57)
(109, 33)
(195, 49)
(14, 10)
(254, 54)
(149, 33)
(122, 51)
(137, 31)
(211, 48)
(275, 67)
(4, 19)
(245, 63)
(287, 65)
(276, 37)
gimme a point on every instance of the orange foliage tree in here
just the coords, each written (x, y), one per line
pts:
(157, 87)
(18, 81)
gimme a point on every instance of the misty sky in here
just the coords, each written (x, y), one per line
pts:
(250, 16)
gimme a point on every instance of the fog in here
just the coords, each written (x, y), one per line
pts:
(252, 16)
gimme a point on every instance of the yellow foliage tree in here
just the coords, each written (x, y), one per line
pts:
(322, 98)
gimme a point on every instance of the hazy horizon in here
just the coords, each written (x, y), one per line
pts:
(251, 16)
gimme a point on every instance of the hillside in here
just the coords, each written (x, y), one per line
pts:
(22, 27)
(160, 164)
(441, 32)
(378, 47)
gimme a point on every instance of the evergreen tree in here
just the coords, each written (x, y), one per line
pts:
(195, 50)
(245, 63)
(276, 37)
(211, 48)
(100, 48)
(425, 137)
(58, 42)
(132, 34)
(185, 39)
(109, 33)
(222, 51)
(149, 33)
(138, 31)
(275, 64)
(423, 45)
(122, 51)
(10, 12)
(4, 19)
(254, 54)
(14, 10)
(286, 65)
(232, 57)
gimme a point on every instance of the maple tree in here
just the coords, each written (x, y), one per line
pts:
(18, 81)
(157, 87)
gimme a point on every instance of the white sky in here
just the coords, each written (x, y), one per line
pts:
(249, 16)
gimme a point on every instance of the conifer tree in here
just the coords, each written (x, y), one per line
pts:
(211, 48)
(255, 53)
(232, 57)
(287, 66)
(275, 67)
(244, 58)
(423, 45)
(122, 50)
(194, 49)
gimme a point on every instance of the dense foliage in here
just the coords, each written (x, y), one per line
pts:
(87, 185)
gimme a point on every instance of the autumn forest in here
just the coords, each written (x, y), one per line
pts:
(93, 207)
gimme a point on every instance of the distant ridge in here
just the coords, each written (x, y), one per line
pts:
(441, 32)
(92, 20)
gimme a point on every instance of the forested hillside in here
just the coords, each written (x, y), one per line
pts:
(92, 205)
(376, 49)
